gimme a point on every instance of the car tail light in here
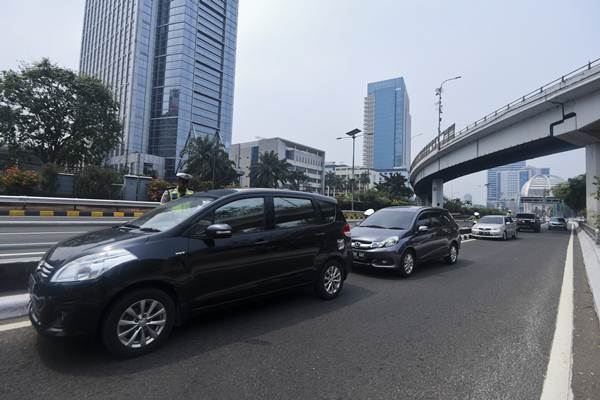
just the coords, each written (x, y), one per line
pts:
(346, 230)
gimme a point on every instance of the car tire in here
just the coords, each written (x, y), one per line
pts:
(452, 257)
(408, 262)
(150, 313)
(330, 281)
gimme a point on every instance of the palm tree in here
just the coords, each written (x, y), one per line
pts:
(364, 180)
(200, 162)
(331, 181)
(296, 179)
(270, 171)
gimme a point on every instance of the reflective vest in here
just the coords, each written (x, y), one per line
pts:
(174, 193)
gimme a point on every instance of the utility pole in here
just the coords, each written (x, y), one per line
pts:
(216, 153)
(353, 134)
(438, 93)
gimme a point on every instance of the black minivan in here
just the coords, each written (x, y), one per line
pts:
(132, 283)
(399, 237)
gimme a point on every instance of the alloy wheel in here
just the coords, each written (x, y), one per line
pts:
(332, 279)
(453, 253)
(408, 263)
(141, 323)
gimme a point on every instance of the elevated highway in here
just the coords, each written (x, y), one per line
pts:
(559, 116)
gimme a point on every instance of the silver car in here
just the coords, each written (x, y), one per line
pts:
(557, 223)
(495, 226)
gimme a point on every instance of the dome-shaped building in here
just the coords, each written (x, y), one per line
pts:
(537, 195)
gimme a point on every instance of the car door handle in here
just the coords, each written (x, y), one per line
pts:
(261, 242)
(320, 234)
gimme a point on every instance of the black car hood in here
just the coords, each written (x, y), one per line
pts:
(91, 242)
(375, 234)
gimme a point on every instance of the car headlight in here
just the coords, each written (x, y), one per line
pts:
(92, 266)
(389, 242)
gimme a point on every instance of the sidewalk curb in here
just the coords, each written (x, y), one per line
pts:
(591, 260)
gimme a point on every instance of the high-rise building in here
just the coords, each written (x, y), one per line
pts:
(504, 183)
(170, 65)
(386, 145)
(299, 157)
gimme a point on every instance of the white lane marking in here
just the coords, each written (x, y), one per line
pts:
(38, 253)
(14, 325)
(42, 233)
(557, 384)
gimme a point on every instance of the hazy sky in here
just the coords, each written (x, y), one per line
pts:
(303, 66)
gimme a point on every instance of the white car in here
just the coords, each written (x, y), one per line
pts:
(495, 226)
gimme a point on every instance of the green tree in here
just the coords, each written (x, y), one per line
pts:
(97, 183)
(49, 178)
(396, 186)
(57, 115)
(270, 171)
(455, 205)
(363, 181)
(203, 156)
(572, 193)
(296, 179)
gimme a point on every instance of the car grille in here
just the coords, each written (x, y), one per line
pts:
(44, 270)
(361, 244)
(485, 229)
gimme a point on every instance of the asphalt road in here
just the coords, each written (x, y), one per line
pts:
(27, 238)
(481, 329)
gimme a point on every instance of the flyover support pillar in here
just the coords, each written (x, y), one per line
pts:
(437, 193)
(592, 169)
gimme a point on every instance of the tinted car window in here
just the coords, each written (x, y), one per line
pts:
(492, 220)
(327, 211)
(436, 220)
(245, 215)
(528, 216)
(424, 220)
(389, 219)
(291, 212)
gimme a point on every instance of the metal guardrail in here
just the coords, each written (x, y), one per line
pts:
(594, 233)
(23, 201)
(550, 87)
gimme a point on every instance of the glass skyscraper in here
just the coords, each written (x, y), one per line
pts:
(504, 183)
(387, 126)
(170, 65)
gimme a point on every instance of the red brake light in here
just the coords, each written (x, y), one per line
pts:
(346, 230)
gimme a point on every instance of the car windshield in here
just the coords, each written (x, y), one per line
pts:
(530, 216)
(558, 219)
(492, 220)
(389, 219)
(171, 214)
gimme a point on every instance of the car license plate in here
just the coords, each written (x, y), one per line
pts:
(485, 233)
(358, 254)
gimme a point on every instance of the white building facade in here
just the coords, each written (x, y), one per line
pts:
(300, 157)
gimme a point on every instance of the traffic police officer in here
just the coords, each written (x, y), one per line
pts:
(181, 190)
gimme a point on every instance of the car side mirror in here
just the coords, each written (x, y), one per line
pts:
(218, 231)
(423, 228)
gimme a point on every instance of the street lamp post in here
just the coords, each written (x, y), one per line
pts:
(353, 134)
(438, 93)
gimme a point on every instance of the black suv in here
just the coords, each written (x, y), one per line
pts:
(134, 282)
(528, 221)
(400, 237)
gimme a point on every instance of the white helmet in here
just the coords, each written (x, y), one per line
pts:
(476, 214)
(184, 176)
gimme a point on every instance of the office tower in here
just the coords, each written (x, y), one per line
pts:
(386, 145)
(170, 66)
(504, 183)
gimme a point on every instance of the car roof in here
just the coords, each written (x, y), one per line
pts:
(415, 208)
(262, 191)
